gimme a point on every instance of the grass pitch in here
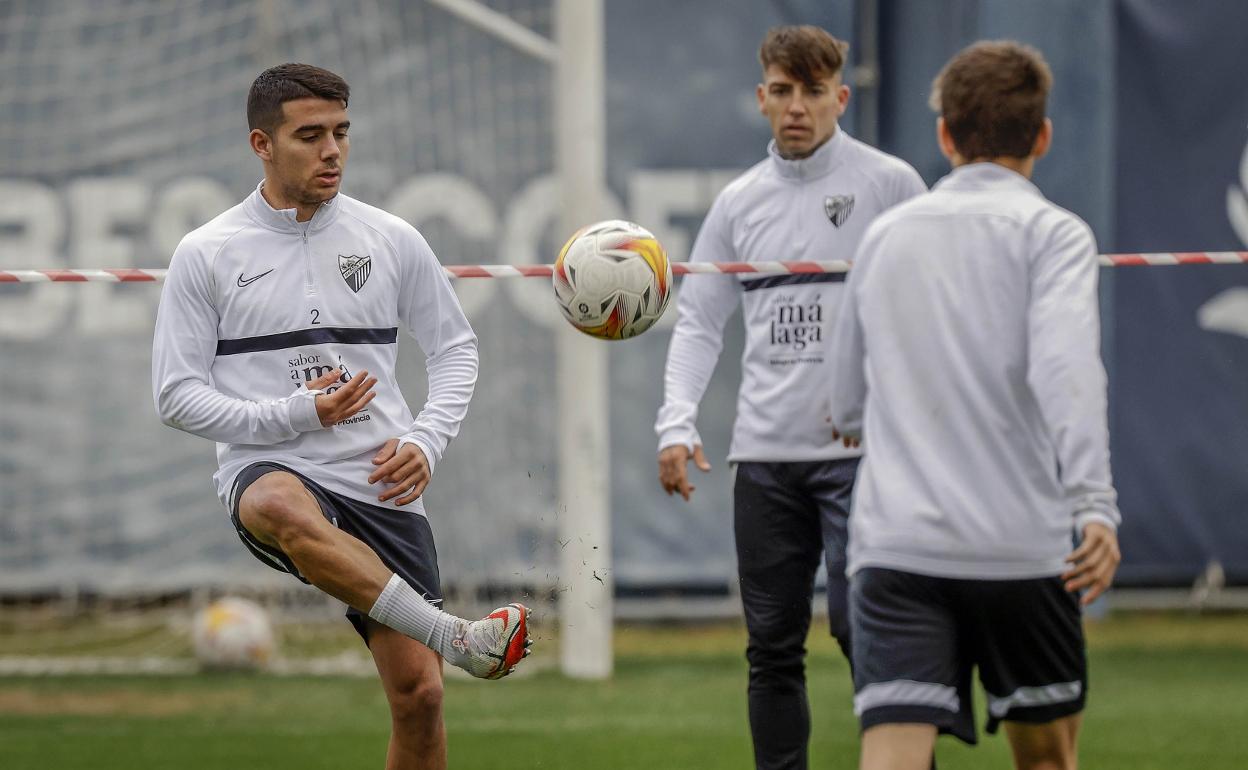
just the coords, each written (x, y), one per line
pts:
(1167, 692)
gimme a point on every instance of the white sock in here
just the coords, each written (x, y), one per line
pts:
(409, 613)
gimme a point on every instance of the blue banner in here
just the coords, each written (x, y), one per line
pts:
(1178, 337)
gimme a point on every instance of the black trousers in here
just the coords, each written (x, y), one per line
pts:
(785, 515)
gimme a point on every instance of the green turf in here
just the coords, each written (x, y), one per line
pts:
(1167, 692)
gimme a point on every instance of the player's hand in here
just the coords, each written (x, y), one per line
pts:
(673, 474)
(849, 442)
(1093, 563)
(405, 468)
(345, 401)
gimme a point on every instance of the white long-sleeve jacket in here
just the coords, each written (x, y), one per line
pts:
(816, 208)
(968, 355)
(256, 304)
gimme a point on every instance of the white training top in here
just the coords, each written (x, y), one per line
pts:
(970, 330)
(256, 304)
(811, 209)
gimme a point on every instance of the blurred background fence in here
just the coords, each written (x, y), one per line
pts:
(122, 127)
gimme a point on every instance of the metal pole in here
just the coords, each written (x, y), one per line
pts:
(585, 581)
(866, 75)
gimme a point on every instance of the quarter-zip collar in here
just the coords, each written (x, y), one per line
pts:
(820, 162)
(977, 177)
(283, 220)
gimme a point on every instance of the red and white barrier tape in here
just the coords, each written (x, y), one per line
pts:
(80, 276)
(679, 268)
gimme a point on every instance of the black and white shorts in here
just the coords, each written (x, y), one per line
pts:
(403, 541)
(917, 639)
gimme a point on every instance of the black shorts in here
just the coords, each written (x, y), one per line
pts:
(917, 639)
(402, 540)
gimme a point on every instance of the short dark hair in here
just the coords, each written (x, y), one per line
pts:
(806, 53)
(992, 96)
(287, 82)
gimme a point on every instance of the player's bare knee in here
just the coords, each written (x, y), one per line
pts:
(417, 700)
(277, 508)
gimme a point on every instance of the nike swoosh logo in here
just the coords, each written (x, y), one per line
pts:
(244, 282)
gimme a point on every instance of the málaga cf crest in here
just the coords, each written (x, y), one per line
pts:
(355, 270)
(838, 208)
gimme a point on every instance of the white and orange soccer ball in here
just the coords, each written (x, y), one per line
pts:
(612, 280)
(233, 633)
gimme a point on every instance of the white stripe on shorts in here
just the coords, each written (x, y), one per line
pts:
(258, 549)
(1060, 692)
(905, 692)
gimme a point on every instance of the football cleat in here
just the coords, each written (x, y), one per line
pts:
(491, 647)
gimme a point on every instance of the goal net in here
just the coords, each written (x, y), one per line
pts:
(123, 128)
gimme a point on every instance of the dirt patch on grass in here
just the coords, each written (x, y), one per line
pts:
(30, 702)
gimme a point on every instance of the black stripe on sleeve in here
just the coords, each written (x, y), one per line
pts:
(330, 334)
(771, 281)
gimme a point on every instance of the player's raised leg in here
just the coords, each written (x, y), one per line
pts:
(280, 512)
(277, 510)
(411, 675)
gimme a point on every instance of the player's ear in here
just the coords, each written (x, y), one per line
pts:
(1044, 140)
(841, 89)
(761, 92)
(945, 141)
(261, 144)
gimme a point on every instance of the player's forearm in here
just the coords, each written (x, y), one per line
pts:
(197, 408)
(1078, 427)
(1065, 373)
(452, 380)
(704, 307)
(847, 396)
(847, 383)
(691, 361)
(1070, 386)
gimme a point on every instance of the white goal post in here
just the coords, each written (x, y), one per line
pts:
(586, 582)
(585, 585)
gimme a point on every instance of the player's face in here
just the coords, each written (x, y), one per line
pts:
(308, 151)
(802, 116)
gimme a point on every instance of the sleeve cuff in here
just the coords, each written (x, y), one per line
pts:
(303, 416)
(1085, 518)
(430, 458)
(846, 423)
(686, 437)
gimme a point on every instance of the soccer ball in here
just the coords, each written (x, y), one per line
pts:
(232, 633)
(612, 280)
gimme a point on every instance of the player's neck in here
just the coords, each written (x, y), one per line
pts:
(272, 195)
(1022, 166)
